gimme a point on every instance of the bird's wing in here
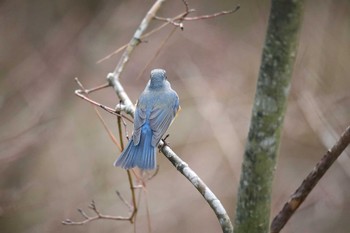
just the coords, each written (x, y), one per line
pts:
(161, 118)
(139, 120)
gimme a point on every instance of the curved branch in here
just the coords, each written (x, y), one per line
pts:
(202, 188)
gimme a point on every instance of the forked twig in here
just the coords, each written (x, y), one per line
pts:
(104, 107)
(176, 21)
(121, 118)
(87, 91)
(310, 182)
(97, 216)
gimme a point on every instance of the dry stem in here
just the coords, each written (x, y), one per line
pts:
(310, 182)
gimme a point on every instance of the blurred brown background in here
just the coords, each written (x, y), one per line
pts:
(55, 156)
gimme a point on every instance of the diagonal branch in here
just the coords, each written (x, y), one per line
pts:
(135, 40)
(310, 182)
(203, 189)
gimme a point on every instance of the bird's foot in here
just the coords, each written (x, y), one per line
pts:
(165, 143)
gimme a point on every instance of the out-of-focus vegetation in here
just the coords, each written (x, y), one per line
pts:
(55, 155)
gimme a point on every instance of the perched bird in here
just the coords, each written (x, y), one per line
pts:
(156, 108)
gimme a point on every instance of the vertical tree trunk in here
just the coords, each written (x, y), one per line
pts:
(254, 195)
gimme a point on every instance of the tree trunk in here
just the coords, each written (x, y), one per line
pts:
(254, 195)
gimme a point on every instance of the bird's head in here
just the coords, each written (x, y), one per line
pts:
(158, 78)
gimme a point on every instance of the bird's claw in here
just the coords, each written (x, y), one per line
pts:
(165, 143)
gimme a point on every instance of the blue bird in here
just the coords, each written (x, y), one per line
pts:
(156, 108)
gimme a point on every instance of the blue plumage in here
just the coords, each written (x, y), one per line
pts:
(155, 110)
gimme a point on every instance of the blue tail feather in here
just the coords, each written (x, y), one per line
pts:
(142, 155)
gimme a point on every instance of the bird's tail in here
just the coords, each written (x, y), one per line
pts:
(142, 155)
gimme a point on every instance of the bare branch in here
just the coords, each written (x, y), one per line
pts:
(96, 110)
(181, 17)
(161, 46)
(170, 20)
(154, 173)
(310, 182)
(98, 215)
(124, 201)
(87, 91)
(135, 40)
(108, 109)
(177, 21)
(142, 39)
(112, 54)
(83, 213)
(221, 13)
(202, 188)
(186, 5)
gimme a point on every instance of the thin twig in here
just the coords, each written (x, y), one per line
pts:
(221, 13)
(181, 17)
(114, 140)
(83, 213)
(121, 147)
(97, 216)
(87, 91)
(186, 5)
(112, 54)
(143, 37)
(131, 182)
(108, 109)
(131, 208)
(184, 17)
(157, 53)
(310, 182)
(171, 21)
(154, 173)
